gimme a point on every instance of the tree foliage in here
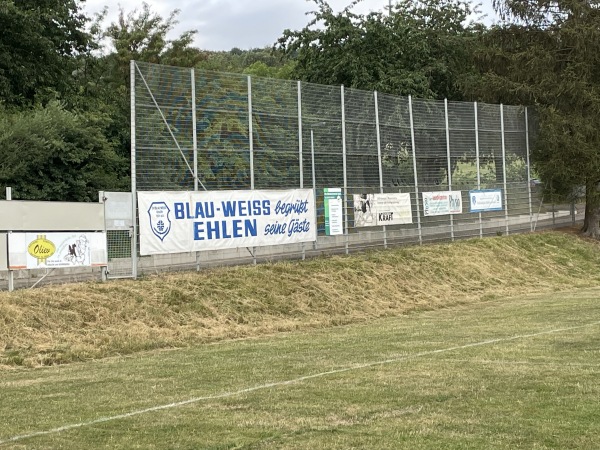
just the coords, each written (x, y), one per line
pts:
(49, 50)
(262, 62)
(39, 43)
(49, 153)
(421, 49)
(548, 55)
(142, 35)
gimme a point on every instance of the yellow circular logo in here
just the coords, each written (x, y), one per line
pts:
(41, 249)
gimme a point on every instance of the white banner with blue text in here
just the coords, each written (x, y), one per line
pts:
(485, 200)
(178, 222)
(442, 202)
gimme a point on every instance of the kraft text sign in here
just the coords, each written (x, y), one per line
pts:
(177, 222)
(382, 209)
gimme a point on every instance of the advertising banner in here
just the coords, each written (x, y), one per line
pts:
(53, 250)
(177, 222)
(486, 200)
(334, 211)
(382, 209)
(441, 203)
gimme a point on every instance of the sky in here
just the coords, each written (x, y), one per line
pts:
(245, 24)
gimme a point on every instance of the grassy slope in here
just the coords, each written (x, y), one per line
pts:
(81, 321)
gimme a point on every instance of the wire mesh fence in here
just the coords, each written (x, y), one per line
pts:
(201, 130)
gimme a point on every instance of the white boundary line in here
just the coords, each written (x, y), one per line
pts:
(508, 362)
(284, 383)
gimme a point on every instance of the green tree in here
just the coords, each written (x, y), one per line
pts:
(104, 79)
(547, 54)
(142, 35)
(263, 62)
(421, 49)
(39, 43)
(67, 154)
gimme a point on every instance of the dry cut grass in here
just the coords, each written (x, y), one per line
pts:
(78, 322)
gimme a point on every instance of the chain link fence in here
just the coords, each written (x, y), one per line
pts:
(201, 130)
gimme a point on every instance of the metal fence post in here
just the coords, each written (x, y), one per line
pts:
(414, 154)
(528, 170)
(250, 132)
(195, 145)
(385, 245)
(344, 163)
(449, 162)
(194, 130)
(251, 147)
(477, 160)
(504, 168)
(104, 269)
(300, 160)
(11, 274)
(134, 262)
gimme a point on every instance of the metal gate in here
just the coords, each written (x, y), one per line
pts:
(118, 213)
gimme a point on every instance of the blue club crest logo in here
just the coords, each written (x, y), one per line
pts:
(159, 219)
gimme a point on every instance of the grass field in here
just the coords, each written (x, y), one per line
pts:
(90, 321)
(506, 373)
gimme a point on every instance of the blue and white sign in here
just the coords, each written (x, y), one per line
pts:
(160, 222)
(486, 200)
(178, 222)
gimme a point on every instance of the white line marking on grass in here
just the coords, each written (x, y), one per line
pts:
(284, 383)
(508, 362)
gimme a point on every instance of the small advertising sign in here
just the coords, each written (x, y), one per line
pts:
(54, 250)
(334, 211)
(441, 203)
(486, 200)
(382, 209)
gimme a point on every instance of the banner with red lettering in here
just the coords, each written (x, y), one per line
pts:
(442, 202)
(177, 222)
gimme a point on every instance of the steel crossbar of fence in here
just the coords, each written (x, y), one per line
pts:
(194, 129)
